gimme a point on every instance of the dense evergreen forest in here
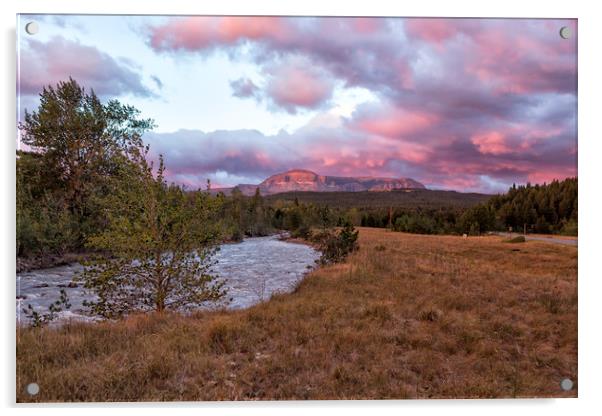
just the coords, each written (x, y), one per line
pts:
(550, 208)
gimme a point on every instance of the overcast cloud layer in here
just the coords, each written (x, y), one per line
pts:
(464, 104)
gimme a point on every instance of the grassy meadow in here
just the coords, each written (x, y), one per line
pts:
(407, 316)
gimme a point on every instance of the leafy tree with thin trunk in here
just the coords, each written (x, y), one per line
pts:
(78, 143)
(161, 242)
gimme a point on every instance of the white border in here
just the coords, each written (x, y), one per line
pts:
(590, 68)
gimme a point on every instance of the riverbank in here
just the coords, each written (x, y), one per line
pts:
(251, 270)
(33, 263)
(28, 264)
(298, 240)
(407, 316)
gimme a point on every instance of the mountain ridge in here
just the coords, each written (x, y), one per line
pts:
(303, 180)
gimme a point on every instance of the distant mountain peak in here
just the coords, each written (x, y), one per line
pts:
(303, 180)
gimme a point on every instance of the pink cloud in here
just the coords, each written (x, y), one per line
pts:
(468, 104)
(548, 175)
(463, 182)
(431, 30)
(393, 122)
(367, 25)
(493, 143)
(359, 51)
(524, 57)
(199, 32)
(478, 111)
(296, 84)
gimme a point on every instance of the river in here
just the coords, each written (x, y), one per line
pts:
(253, 270)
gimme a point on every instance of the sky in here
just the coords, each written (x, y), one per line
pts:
(462, 104)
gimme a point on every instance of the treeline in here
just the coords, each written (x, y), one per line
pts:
(425, 199)
(414, 220)
(256, 216)
(548, 208)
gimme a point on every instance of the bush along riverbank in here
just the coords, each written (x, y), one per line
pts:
(252, 271)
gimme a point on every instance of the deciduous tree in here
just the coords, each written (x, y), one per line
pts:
(161, 242)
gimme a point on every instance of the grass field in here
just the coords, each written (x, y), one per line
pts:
(407, 316)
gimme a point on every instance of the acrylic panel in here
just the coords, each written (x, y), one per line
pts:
(295, 208)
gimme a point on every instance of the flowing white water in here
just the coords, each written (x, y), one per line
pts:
(253, 269)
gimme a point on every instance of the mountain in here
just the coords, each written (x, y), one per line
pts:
(308, 181)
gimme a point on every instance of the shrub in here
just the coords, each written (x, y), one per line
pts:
(236, 235)
(415, 223)
(569, 228)
(302, 232)
(476, 220)
(336, 247)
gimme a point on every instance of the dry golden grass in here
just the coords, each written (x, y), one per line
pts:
(407, 316)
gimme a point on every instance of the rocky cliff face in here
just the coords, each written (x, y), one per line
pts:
(305, 180)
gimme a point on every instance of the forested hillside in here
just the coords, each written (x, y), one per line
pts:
(544, 208)
(550, 208)
(406, 198)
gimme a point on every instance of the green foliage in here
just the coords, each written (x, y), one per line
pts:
(544, 208)
(303, 231)
(548, 208)
(569, 227)
(424, 199)
(44, 222)
(87, 181)
(246, 216)
(257, 215)
(293, 218)
(38, 319)
(476, 220)
(161, 241)
(78, 144)
(335, 247)
(417, 223)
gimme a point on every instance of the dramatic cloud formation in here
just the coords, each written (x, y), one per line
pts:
(361, 51)
(463, 103)
(467, 104)
(393, 122)
(487, 161)
(291, 85)
(44, 64)
(492, 143)
(204, 32)
(298, 85)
